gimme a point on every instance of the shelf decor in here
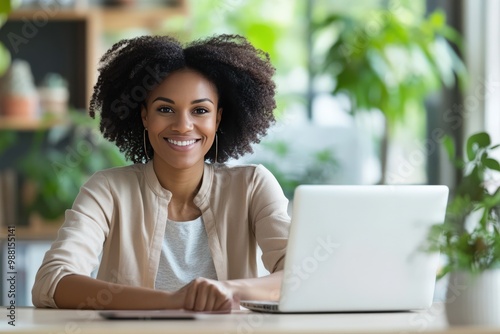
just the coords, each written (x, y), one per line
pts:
(19, 98)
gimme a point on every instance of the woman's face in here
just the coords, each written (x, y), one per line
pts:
(181, 117)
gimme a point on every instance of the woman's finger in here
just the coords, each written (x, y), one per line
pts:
(190, 298)
(213, 296)
(201, 297)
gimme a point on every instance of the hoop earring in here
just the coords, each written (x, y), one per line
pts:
(216, 146)
(145, 147)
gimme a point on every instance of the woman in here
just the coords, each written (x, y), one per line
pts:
(178, 229)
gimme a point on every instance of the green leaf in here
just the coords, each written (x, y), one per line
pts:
(5, 7)
(449, 146)
(492, 164)
(263, 36)
(5, 59)
(475, 142)
(437, 19)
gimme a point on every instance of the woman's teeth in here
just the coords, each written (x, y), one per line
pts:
(181, 143)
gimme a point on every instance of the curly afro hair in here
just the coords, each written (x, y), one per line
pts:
(134, 67)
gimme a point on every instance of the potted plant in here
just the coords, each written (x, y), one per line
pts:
(19, 97)
(469, 239)
(388, 60)
(54, 95)
(59, 160)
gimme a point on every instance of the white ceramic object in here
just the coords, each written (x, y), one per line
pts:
(54, 100)
(473, 300)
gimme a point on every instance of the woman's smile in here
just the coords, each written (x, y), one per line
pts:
(181, 144)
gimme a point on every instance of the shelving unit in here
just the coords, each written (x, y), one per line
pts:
(22, 124)
(64, 43)
(68, 42)
(126, 18)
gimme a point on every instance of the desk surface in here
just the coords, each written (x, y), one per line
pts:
(29, 320)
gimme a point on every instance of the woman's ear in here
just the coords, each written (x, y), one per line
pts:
(219, 117)
(144, 116)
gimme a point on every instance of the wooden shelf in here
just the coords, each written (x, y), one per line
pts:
(90, 24)
(63, 40)
(112, 19)
(38, 14)
(23, 124)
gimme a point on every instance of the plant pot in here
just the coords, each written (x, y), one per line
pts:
(19, 98)
(473, 300)
(19, 106)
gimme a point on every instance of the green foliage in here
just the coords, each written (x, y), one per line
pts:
(5, 8)
(74, 152)
(470, 236)
(7, 139)
(281, 36)
(4, 59)
(390, 62)
(256, 20)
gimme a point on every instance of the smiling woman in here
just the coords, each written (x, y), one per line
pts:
(179, 228)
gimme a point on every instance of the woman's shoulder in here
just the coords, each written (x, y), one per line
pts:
(119, 174)
(231, 182)
(133, 168)
(238, 169)
(247, 172)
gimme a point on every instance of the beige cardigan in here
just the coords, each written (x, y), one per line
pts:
(121, 213)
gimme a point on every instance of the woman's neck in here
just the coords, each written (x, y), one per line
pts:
(184, 185)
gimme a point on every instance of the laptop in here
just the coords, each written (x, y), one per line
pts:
(359, 249)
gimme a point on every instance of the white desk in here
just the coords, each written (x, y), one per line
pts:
(29, 320)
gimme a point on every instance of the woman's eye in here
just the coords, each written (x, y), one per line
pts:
(200, 111)
(165, 110)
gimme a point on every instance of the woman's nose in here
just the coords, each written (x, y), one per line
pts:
(183, 122)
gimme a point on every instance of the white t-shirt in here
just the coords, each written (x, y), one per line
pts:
(185, 255)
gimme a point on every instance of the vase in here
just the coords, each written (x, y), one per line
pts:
(19, 106)
(54, 100)
(473, 299)
(18, 96)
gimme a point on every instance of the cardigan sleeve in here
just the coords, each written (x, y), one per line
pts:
(79, 242)
(270, 219)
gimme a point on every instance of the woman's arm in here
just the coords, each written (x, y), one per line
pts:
(261, 288)
(82, 292)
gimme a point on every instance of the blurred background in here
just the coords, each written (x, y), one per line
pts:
(366, 91)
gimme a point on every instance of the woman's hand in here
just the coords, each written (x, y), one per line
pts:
(204, 294)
